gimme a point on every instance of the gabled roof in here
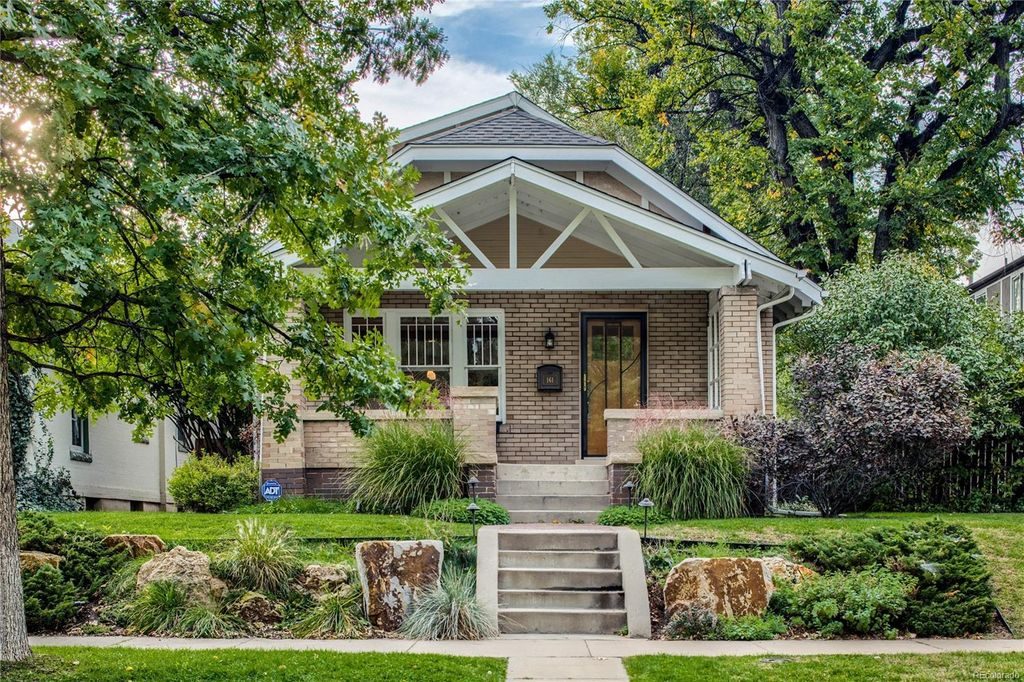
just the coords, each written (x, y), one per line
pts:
(513, 126)
(511, 100)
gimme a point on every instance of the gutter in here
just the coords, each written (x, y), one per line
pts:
(760, 346)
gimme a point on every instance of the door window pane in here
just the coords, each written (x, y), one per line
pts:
(482, 342)
(483, 377)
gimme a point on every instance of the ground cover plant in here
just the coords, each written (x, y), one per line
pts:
(84, 664)
(691, 472)
(624, 515)
(457, 510)
(406, 464)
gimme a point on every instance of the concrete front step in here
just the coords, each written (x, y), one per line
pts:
(552, 472)
(557, 559)
(552, 487)
(550, 516)
(561, 599)
(559, 579)
(562, 621)
(553, 502)
(564, 540)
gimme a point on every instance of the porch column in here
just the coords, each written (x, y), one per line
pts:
(737, 351)
(474, 409)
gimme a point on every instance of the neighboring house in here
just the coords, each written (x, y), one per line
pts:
(999, 277)
(109, 469)
(597, 287)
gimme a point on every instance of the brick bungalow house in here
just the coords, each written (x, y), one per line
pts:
(597, 288)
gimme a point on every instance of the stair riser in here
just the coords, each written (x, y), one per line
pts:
(558, 541)
(582, 559)
(556, 487)
(553, 502)
(562, 623)
(551, 599)
(550, 516)
(519, 579)
(551, 472)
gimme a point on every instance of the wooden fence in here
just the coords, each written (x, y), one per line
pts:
(986, 472)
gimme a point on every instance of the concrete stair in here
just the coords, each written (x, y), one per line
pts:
(545, 493)
(565, 582)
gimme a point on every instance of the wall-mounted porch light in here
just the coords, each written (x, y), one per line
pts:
(549, 340)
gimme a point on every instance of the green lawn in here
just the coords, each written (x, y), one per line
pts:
(922, 667)
(56, 664)
(183, 527)
(1001, 537)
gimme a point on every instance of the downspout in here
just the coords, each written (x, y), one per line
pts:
(775, 330)
(760, 346)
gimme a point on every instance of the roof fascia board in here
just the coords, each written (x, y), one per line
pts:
(598, 279)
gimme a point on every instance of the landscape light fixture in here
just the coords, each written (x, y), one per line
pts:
(646, 504)
(473, 481)
(628, 487)
(473, 509)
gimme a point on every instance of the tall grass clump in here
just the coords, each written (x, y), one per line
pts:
(158, 607)
(337, 614)
(692, 472)
(263, 558)
(405, 465)
(449, 611)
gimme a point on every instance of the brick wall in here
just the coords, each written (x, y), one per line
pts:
(737, 310)
(543, 426)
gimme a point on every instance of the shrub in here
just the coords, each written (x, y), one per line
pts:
(454, 510)
(749, 628)
(868, 602)
(49, 599)
(263, 558)
(87, 562)
(158, 608)
(208, 620)
(449, 611)
(691, 621)
(692, 472)
(405, 465)
(40, 486)
(623, 515)
(953, 596)
(337, 614)
(209, 484)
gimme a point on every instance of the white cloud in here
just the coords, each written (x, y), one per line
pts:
(457, 84)
(451, 8)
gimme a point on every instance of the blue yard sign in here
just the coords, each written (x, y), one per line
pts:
(271, 490)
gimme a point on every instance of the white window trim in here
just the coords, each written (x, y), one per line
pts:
(1017, 293)
(714, 359)
(459, 366)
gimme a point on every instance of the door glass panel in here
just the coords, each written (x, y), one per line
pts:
(614, 362)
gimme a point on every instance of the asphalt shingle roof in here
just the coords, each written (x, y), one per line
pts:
(512, 127)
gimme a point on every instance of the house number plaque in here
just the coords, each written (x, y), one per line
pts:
(549, 378)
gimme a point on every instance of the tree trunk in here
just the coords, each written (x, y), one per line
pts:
(13, 635)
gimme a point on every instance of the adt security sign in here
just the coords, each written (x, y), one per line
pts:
(271, 490)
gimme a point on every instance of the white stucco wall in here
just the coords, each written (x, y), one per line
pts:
(121, 469)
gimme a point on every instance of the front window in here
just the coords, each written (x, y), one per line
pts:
(443, 350)
(714, 382)
(1017, 293)
(80, 437)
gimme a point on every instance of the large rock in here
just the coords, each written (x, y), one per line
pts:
(189, 569)
(136, 545)
(319, 579)
(729, 587)
(254, 607)
(31, 561)
(393, 573)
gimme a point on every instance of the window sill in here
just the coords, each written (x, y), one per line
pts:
(80, 456)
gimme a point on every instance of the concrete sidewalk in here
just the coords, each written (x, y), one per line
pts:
(561, 657)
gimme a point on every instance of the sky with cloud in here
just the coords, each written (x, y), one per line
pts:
(487, 40)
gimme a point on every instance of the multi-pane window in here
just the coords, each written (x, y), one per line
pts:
(80, 437)
(425, 348)
(714, 382)
(1017, 293)
(443, 350)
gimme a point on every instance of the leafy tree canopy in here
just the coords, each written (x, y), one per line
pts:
(157, 157)
(907, 305)
(835, 132)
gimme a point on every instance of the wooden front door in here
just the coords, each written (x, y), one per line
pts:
(614, 370)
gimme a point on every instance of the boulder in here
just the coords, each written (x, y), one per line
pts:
(31, 561)
(136, 545)
(254, 607)
(728, 587)
(783, 571)
(393, 573)
(319, 579)
(189, 569)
